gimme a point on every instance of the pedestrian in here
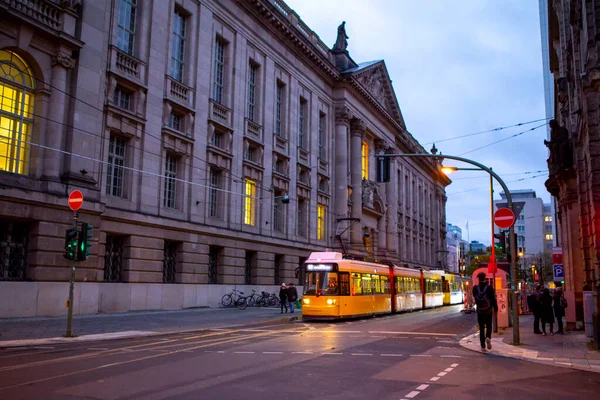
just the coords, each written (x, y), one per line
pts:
(535, 307)
(292, 296)
(546, 312)
(485, 299)
(559, 305)
(283, 297)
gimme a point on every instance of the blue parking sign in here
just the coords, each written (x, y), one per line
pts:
(559, 272)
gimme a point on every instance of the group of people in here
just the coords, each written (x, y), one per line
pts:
(546, 307)
(287, 295)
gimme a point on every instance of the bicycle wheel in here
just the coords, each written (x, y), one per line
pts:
(250, 302)
(241, 303)
(226, 300)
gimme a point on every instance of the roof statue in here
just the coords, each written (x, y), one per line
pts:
(341, 44)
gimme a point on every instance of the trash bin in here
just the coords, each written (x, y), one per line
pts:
(589, 307)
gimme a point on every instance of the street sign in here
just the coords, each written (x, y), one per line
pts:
(75, 200)
(558, 272)
(517, 207)
(504, 218)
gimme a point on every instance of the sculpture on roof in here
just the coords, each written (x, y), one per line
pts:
(341, 44)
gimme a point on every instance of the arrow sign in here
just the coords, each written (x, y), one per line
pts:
(75, 200)
(504, 218)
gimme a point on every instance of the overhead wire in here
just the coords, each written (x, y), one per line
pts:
(504, 139)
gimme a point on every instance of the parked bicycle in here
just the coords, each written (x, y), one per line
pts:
(234, 298)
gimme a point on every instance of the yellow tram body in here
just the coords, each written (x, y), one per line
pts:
(336, 287)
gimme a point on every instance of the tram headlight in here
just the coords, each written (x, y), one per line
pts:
(306, 301)
(331, 301)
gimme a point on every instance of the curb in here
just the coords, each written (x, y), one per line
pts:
(501, 349)
(10, 344)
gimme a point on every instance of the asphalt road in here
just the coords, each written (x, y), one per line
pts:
(405, 356)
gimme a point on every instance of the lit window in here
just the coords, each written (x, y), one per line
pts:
(219, 71)
(321, 222)
(249, 202)
(365, 160)
(549, 237)
(548, 219)
(178, 46)
(16, 108)
(126, 25)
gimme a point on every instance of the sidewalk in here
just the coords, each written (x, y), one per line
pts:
(40, 331)
(568, 350)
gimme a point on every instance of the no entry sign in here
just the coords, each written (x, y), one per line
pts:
(75, 200)
(504, 218)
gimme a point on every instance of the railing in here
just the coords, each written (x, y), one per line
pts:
(127, 64)
(281, 142)
(253, 128)
(42, 11)
(323, 165)
(303, 155)
(282, 7)
(220, 113)
(178, 90)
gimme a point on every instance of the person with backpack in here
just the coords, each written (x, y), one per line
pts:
(485, 299)
(559, 305)
(546, 311)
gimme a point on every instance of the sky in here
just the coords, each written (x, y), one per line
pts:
(456, 70)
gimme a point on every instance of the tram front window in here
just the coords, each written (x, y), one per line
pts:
(321, 283)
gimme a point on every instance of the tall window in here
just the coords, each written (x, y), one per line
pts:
(113, 258)
(302, 216)
(214, 192)
(126, 25)
(169, 261)
(322, 136)
(213, 264)
(302, 125)
(365, 160)
(16, 112)
(277, 266)
(175, 121)
(279, 108)
(178, 46)
(249, 202)
(321, 221)
(252, 72)
(122, 98)
(116, 162)
(219, 71)
(170, 192)
(278, 212)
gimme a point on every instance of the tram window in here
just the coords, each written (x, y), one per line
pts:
(376, 284)
(321, 283)
(356, 285)
(385, 284)
(366, 284)
(344, 284)
(399, 284)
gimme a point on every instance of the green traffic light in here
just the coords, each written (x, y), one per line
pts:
(84, 241)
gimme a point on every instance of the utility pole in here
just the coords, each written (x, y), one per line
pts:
(72, 283)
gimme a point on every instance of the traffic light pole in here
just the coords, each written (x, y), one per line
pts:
(72, 285)
(513, 250)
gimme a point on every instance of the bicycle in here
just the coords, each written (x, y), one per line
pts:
(232, 298)
(251, 299)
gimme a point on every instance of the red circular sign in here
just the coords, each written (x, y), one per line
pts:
(75, 200)
(504, 218)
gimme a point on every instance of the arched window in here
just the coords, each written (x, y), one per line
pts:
(16, 112)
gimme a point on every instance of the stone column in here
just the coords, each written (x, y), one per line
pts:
(54, 136)
(357, 132)
(342, 125)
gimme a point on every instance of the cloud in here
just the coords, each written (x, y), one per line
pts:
(456, 70)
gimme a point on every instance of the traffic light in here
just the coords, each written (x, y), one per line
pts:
(85, 234)
(71, 244)
(383, 169)
(501, 245)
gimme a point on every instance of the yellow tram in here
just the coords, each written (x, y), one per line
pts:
(336, 287)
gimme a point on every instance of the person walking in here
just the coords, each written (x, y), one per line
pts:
(559, 305)
(292, 296)
(485, 300)
(283, 297)
(546, 312)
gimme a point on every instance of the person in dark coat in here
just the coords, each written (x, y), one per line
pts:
(292, 296)
(559, 311)
(283, 297)
(534, 306)
(546, 311)
(485, 299)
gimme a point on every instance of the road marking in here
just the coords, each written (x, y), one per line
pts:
(221, 352)
(391, 355)
(97, 348)
(302, 352)
(426, 338)
(422, 387)
(361, 354)
(43, 347)
(451, 356)
(435, 378)
(336, 331)
(412, 333)
(420, 355)
(412, 394)
(332, 354)
(357, 336)
(243, 352)
(373, 336)
(448, 369)
(442, 374)
(272, 352)
(454, 365)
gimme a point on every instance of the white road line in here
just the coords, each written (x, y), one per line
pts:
(221, 352)
(435, 378)
(272, 352)
(302, 352)
(243, 352)
(336, 331)
(97, 348)
(373, 336)
(442, 374)
(422, 387)
(256, 330)
(454, 365)
(208, 351)
(420, 355)
(412, 394)
(361, 354)
(357, 336)
(332, 354)
(43, 347)
(448, 369)
(451, 356)
(412, 333)
(426, 338)
(391, 355)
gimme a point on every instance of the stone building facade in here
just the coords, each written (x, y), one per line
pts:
(574, 161)
(216, 143)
